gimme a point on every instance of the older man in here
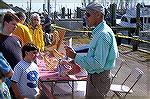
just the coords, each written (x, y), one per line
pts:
(101, 55)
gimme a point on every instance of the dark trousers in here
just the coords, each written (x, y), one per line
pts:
(98, 85)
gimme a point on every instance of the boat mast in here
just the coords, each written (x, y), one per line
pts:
(30, 6)
(84, 3)
(48, 6)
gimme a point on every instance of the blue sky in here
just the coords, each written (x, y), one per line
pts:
(37, 5)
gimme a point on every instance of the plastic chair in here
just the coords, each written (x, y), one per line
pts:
(122, 90)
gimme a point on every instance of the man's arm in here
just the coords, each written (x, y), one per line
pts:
(16, 90)
(5, 67)
(9, 74)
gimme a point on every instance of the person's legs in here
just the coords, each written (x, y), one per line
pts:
(98, 85)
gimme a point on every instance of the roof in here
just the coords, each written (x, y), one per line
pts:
(4, 5)
(17, 9)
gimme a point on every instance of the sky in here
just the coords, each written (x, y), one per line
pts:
(37, 5)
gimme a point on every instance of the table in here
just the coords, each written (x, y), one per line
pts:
(53, 77)
(47, 63)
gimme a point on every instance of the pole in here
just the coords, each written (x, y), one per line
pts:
(48, 6)
(30, 9)
(55, 5)
(138, 19)
(55, 14)
(30, 5)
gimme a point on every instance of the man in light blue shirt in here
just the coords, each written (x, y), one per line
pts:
(101, 55)
(6, 69)
(4, 65)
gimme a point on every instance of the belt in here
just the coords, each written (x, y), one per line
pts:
(105, 71)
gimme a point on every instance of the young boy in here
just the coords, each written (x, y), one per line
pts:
(26, 74)
(4, 91)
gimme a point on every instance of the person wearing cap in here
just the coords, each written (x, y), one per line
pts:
(22, 31)
(101, 56)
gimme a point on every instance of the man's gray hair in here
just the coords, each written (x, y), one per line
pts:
(95, 6)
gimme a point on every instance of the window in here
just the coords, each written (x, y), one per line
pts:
(133, 20)
(141, 19)
(145, 19)
(148, 20)
(124, 19)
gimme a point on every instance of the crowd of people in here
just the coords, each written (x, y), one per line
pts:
(20, 45)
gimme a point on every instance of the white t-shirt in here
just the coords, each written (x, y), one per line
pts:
(26, 75)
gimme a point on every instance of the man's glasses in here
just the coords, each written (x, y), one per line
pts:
(87, 14)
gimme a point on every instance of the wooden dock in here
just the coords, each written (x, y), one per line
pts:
(133, 59)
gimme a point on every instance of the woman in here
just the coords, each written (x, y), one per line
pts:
(36, 31)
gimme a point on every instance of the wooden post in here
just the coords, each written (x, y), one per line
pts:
(113, 14)
(78, 12)
(138, 19)
(118, 39)
(70, 13)
(135, 43)
(63, 12)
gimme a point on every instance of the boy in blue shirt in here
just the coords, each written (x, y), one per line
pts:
(26, 74)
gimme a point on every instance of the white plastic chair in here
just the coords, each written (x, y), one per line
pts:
(122, 90)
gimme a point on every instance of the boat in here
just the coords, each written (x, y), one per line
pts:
(129, 18)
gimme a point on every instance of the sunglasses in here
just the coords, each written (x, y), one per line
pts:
(87, 14)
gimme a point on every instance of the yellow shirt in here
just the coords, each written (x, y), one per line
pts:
(23, 33)
(37, 36)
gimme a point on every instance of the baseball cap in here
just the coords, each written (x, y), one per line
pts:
(95, 6)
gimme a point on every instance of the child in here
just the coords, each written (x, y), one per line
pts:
(26, 74)
(4, 91)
